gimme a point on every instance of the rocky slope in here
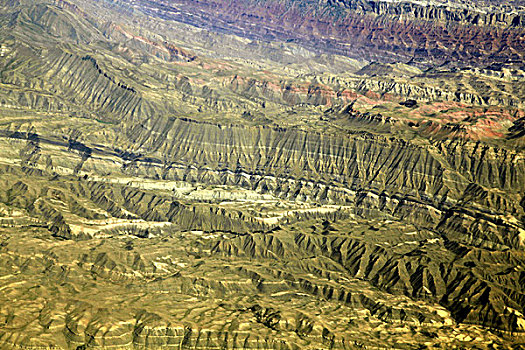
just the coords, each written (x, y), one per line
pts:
(164, 185)
(384, 31)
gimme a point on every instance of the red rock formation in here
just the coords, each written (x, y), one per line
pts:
(425, 34)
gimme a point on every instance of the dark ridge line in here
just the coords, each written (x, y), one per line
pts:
(97, 67)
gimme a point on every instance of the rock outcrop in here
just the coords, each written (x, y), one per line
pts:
(193, 175)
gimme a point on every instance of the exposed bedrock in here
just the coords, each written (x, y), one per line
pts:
(422, 272)
(436, 12)
(470, 192)
(469, 189)
(383, 31)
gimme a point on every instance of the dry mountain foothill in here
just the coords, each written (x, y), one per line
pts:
(262, 174)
